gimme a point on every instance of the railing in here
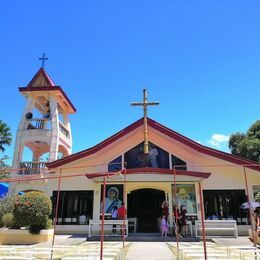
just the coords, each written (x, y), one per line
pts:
(28, 168)
(64, 130)
(37, 124)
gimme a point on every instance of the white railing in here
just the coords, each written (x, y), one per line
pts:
(63, 129)
(28, 168)
(38, 124)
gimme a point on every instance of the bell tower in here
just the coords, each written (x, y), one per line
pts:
(44, 128)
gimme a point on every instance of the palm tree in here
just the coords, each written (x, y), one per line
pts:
(5, 136)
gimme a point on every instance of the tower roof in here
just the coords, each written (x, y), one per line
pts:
(42, 82)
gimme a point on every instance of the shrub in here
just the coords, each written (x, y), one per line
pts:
(8, 220)
(32, 210)
(6, 206)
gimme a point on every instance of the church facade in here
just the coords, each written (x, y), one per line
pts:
(175, 169)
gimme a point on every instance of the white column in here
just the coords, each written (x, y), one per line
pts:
(18, 149)
(54, 143)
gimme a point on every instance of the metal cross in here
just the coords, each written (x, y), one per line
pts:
(145, 104)
(43, 59)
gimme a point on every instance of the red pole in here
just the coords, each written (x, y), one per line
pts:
(202, 222)
(176, 213)
(56, 212)
(249, 209)
(124, 200)
(103, 217)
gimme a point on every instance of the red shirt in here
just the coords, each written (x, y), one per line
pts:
(121, 213)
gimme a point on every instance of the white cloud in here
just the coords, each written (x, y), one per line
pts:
(218, 140)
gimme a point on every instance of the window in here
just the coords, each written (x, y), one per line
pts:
(226, 204)
(178, 162)
(75, 207)
(115, 165)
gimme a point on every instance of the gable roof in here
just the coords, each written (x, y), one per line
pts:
(41, 81)
(168, 132)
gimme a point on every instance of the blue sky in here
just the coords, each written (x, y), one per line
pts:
(200, 59)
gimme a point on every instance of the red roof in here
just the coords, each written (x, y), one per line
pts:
(161, 128)
(49, 87)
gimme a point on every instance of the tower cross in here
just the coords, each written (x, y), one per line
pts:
(43, 59)
(145, 104)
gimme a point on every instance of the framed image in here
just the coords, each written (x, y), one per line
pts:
(186, 196)
(113, 197)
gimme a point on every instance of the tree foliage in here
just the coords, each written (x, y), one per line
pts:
(247, 145)
(5, 136)
(32, 210)
(5, 139)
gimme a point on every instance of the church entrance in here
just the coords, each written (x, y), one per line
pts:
(145, 206)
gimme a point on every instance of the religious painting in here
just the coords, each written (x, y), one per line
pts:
(157, 157)
(113, 197)
(186, 196)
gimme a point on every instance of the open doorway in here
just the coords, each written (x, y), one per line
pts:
(145, 206)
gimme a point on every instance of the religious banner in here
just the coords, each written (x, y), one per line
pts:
(113, 198)
(156, 158)
(186, 196)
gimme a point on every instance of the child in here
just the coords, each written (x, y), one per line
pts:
(164, 226)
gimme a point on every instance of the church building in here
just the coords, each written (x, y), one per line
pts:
(142, 165)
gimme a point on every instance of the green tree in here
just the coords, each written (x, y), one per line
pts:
(247, 145)
(5, 139)
(5, 136)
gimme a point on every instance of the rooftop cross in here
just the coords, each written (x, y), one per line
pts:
(43, 59)
(145, 104)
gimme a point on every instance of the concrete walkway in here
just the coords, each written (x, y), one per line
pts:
(149, 251)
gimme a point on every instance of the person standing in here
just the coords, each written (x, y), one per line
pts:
(122, 214)
(257, 222)
(114, 217)
(177, 221)
(164, 226)
(165, 209)
(183, 220)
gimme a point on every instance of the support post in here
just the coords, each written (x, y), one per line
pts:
(254, 234)
(176, 227)
(202, 222)
(56, 213)
(124, 200)
(103, 217)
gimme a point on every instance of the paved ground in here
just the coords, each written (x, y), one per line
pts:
(149, 251)
(65, 240)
